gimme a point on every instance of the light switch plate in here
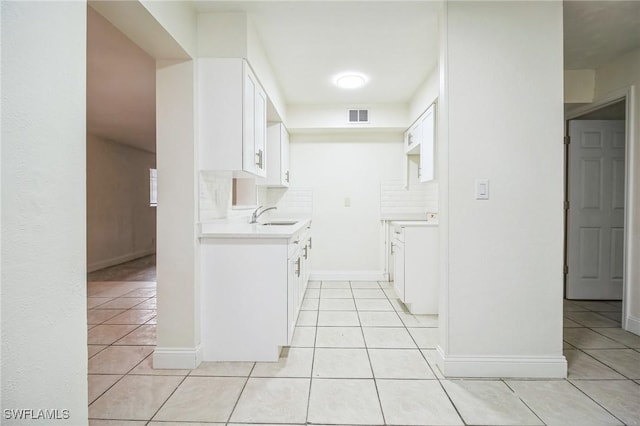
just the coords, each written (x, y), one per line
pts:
(482, 189)
(347, 202)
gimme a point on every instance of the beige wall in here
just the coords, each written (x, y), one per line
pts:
(120, 223)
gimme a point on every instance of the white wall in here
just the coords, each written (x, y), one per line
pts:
(163, 29)
(222, 35)
(347, 241)
(262, 67)
(619, 75)
(178, 290)
(426, 94)
(502, 297)
(120, 223)
(177, 19)
(44, 323)
(387, 117)
(232, 35)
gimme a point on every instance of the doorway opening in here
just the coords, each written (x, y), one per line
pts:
(596, 222)
(121, 154)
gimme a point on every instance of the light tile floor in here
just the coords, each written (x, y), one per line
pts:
(357, 358)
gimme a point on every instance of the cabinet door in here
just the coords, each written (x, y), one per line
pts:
(398, 269)
(427, 147)
(249, 124)
(284, 157)
(292, 289)
(260, 127)
(413, 138)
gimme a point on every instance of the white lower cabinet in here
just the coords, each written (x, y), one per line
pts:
(251, 293)
(397, 250)
(414, 247)
(299, 269)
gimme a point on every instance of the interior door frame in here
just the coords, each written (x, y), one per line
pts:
(626, 94)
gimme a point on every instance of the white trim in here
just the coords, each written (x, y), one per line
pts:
(608, 99)
(627, 94)
(349, 276)
(550, 367)
(118, 260)
(633, 324)
(177, 358)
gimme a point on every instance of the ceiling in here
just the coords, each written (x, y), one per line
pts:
(395, 43)
(596, 32)
(121, 86)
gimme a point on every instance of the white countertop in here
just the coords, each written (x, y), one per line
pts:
(414, 223)
(237, 229)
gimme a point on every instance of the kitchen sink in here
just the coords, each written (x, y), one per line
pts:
(280, 223)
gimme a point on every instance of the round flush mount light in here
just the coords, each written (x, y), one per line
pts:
(350, 80)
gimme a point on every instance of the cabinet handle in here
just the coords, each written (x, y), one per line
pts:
(259, 160)
(298, 267)
(287, 176)
(310, 244)
(410, 139)
(306, 252)
(392, 248)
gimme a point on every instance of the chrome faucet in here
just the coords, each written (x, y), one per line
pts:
(257, 213)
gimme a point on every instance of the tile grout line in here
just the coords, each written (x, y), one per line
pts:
(112, 345)
(240, 393)
(168, 398)
(596, 402)
(366, 348)
(433, 372)
(523, 401)
(601, 362)
(610, 338)
(313, 356)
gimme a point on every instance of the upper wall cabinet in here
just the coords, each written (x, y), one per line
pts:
(232, 117)
(413, 138)
(278, 156)
(419, 139)
(427, 145)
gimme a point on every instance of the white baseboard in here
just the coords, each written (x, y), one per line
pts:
(177, 358)
(549, 367)
(100, 264)
(349, 276)
(633, 324)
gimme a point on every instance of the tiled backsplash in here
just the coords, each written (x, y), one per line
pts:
(215, 194)
(397, 202)
(290, 201)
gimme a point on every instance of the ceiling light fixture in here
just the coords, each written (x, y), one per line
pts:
(350, 80)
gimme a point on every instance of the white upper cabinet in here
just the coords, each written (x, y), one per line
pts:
(413, 138)
(427, 145)
(419, 140)
(232, 117)
(278, 157)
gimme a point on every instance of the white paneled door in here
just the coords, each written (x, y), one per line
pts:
(595, 220)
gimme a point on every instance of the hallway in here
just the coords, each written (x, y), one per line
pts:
(357, 358)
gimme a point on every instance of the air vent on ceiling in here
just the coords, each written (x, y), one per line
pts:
(358, 115)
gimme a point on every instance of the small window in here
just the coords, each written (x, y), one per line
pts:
(153, 187)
